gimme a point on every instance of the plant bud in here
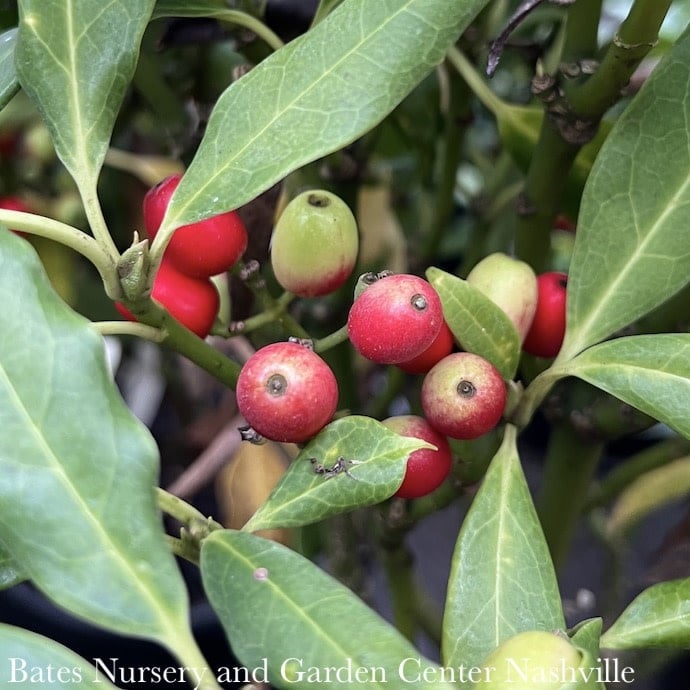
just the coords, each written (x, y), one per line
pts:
(314, 245)
(509, 283)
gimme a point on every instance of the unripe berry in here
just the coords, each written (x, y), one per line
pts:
(426, 468)
(545, 336)
(511, 284)
(202, 249)
(530, 660)
(286, 392)
(314, 244)
(395, 319)
(194, 302)
(463, 396)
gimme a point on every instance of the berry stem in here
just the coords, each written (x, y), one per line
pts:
(178, 338)
(331, 340)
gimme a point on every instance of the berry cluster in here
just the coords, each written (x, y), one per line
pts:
(286, 391)
(195, 253)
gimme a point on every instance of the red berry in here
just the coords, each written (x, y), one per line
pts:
(442, 346)
(545, 336)
(202, 249)
(463, 396)
(395, 319)
(426, 469)
(286, 392)
(194, 302)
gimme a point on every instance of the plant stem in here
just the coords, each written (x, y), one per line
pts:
(94, 215)
(457, 116)
(552, 158)
(636, 36)
(71, 237)
(331, 340)
(571, 461)
(236, 17)
(618, 479)
(180, 510)
(140, 330)
(397, 564)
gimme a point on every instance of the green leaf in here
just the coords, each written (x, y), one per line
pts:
(314, 96)
(378, 459)
(631, 249)
(9, 573)
(29, 661)
(658, 617)
(9, 85)
(649, 492)
(75, 60)
(282, 613)
(586, 635)
(478, 324)
(78, 471)
(649, 372)
(502, 581)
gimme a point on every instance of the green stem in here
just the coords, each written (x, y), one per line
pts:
(178, 338)
(94, 215)
(236, 17)
(636, 36)
(552, 158)
(267, 316)
(474, 80)
(581, 38)
(71, 237)
(140, 330)
(618, 479)
(571, 461)
(397, 564)
(331, 340)
(456, 119)
(534, 395)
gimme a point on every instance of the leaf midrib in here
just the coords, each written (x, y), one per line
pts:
(298, 612)
(584, 329)
(59, 471)
(301, 95)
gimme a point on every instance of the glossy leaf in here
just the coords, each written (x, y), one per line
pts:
(78, 514)
(280, 609)
(314, 96)
(378, 459)
(658, 617)
(75, 60)
(649, 492)
(8, 75)
(478, 324)
(631, 249)
(9, 573)
(649, 372)
(30, 661)
(502, 581)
